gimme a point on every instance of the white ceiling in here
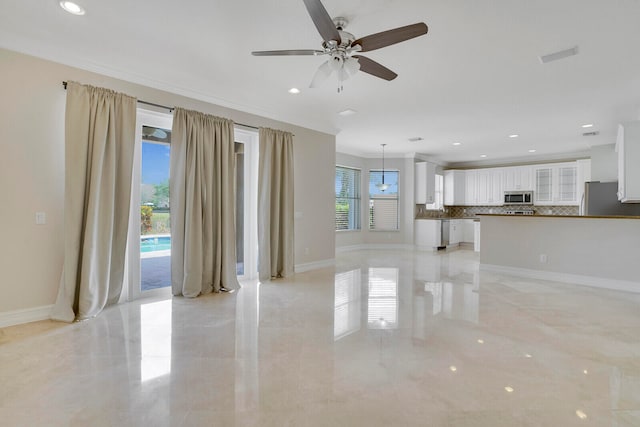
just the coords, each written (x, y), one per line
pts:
(474, 78)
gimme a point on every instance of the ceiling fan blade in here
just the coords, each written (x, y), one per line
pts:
(370, 66)
(322, 20)
(387, 38)
(287, 52)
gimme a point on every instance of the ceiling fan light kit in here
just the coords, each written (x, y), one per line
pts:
(343, 46)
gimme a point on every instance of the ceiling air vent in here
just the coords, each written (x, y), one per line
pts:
(594, 133)
(559, 55)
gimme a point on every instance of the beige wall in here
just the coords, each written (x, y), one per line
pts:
(32, 174)
(595, 247)
(402, 237)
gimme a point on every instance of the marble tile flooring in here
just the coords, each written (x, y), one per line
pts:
(387, 338)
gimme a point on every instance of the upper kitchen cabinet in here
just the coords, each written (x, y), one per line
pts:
(556, 184)
(518, 178)
(484, 187)
(628, 148)
(424, 180)
(454, 188)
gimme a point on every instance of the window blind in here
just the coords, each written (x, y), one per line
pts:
(347, 187)
(383, 205)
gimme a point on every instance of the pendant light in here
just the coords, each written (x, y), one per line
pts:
(382, 186)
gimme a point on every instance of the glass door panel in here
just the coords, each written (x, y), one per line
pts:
(155, 215)
(149, 247)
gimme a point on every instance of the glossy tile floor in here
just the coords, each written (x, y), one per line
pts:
(387, 338)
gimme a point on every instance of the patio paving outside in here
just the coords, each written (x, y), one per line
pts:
(155, 272)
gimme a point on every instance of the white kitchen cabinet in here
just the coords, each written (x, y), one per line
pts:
(455, 231)
(454, 187)
(628, 148)
(467, 230)
(517, 178)
(484, 187)
(427, 233)
(556, 184)
(424, 183)
(471, 187)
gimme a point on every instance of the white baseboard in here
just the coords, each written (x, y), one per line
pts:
(373, 246)
(26, 315)
(577, 279)
(342, 249)
(301, 268)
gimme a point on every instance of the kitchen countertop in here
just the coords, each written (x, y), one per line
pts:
(565, 216)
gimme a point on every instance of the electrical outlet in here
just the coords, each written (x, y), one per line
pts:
(41, 218)
(543, 258)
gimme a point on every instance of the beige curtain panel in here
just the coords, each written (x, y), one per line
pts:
(202, 196)
(275, 205)
(99, 144)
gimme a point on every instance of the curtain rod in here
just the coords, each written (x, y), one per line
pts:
(64, 84)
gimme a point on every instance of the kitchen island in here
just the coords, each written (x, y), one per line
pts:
(600, 251)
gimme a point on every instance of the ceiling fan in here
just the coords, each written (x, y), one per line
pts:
(342, 46)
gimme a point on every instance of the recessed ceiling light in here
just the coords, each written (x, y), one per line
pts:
(483, 155)
(581, 415)
(294, 90)
(514, 135)
(453, 368)
(480, 341)
(532, 151)
(347, 112)
(509, 389)
(457, 143)
(588, 125)
(72, 7)
(416, 139)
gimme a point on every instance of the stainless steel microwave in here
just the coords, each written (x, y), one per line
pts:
(518, 197)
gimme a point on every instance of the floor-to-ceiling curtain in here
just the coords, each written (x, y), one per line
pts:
(202, 195)
(275, 204)
(99, 145)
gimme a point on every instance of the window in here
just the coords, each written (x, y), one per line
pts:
(347, 198)
(438, 198)
(383, 205)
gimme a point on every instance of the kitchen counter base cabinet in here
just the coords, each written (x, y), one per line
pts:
(593, 251)
(427, 233)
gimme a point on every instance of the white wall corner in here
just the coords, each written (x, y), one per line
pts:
(27, 315)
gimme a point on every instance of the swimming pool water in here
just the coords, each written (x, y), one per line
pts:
(153, 244)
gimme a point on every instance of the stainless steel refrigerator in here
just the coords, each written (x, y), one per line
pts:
(601, 198)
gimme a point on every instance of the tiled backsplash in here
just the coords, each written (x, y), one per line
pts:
(467, 211)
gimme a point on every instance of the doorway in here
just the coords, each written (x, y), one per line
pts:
(150, 220)
(149, 258)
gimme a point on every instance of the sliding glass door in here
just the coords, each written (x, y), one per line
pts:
(246, 203)
(150, 221)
